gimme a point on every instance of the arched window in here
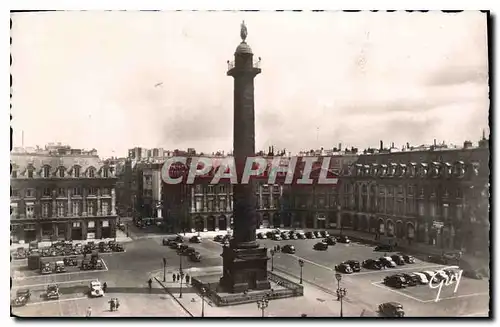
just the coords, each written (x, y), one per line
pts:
(76, 171)
(46, 172)
(61, 172)
(91, 173)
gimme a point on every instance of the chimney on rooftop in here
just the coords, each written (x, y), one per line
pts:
(381, 145)
(392, 145)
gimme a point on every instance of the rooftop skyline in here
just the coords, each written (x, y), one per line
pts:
(115, 80)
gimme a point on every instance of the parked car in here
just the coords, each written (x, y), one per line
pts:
(21, 253)
(355, 265)
(174, 245)
(372, 264)
(398, 259)
(439, 259)
(261, 236)
(310, 235)
(45, 268)
(277, 237)
(301, 235)
(395, 281)
(52, 292)
(343, 239)
(182, 247)
(411, 279)
(118, 248)
(344, 268)
(188, 251)
(320, 246)
(391, 309)
(22, 297)
(330, 240)
(195, 257)
(59, 267)
(166, 242)
(324, 233)
(428, 274)
(317, 234)
(439, 275)
(95, 289)
(408, 258)
(70, 261)
(195, 239)
(285, 236)
(288, 249)
(384, 248)
(270, 235)
(293, 236)
(387, 262)
(422, 279)
(178, 239)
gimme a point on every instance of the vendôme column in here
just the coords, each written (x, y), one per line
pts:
(245, 263)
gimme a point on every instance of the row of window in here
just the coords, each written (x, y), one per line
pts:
(61, 192)
(212, 189)
(62, 209)
(61, 172)
(399, 190)
(75, 224)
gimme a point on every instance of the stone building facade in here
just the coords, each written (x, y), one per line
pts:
(437, 197)
(61, 193)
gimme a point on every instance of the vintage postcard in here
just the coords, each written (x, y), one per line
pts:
(250, 164)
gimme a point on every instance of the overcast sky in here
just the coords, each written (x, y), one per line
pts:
(88, 79)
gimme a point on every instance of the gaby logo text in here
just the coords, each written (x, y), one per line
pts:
(305, 170)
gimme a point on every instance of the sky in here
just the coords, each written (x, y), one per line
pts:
(116, 80)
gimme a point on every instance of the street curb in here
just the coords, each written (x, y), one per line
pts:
(173, 296)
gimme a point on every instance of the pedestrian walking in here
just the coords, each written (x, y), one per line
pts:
(104, 287)
(117, 304)
(149, 283)
(187, 279)
(279, 248)
(89, 311)
(173, 277)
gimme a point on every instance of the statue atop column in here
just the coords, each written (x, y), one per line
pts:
(243, 32)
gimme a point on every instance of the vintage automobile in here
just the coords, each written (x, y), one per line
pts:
(411, 279)
(178, 239)
(260, 236)
(343, 239)
(277, 237)
(95, 289)
(21, 253)
(391, 309)
(22, 297)
(440, 275)
(387, 262)
(422, 279)
(92, 245)
(317, 234)
(104, 248)
(372, 264)
(285, 236)
(344, 268)
(310, 235)
(330, 240)
(384, 248)
(398, 259)
(355, 265)
(86, 265)
(293, 236)
(118, 248)
(408, 258)
(320, 246)
(98, 264)
(395, 281)
(182, 247)
(218, 238)
(301, 235)
(52, 292)
(188, 251)
(195, 257)
(59, 267)
(70, 261)
(324, 233)
(45, 268)
(288, 248)
(174, 245)
(195, 239)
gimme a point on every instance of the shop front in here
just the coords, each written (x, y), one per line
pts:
(47, 231)
(106, 229)
(91, 230)
(76, 231)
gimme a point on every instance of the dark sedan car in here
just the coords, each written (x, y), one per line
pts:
(174, 245)
(285, 236)
(330, 241)
(195, 239)
(293, 236)
(324, 233)
(411, 279)
(270, 235)
(310, 235)
(395, 281)
(288, 249)
(320, 246)
(218, 238)
(355, 265)
(301, 236)
(372, 264)
(384, 248)
(343, 239)
(391, 309)
(398, 259)
(261, 236)
(408, 258)
(344, 268)
(167, 242)
(317, 234)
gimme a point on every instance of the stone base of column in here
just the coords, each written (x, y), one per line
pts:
(244, 269)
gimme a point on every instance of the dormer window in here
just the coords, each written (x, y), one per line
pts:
(105, 172)
(46, 172)
(61, 172)
(91, 173)
(76, 171)
(30, 173)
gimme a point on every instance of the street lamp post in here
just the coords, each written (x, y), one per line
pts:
(272, 259)
(301, 264)
(263, 304)
(203, 292)
(341, 292)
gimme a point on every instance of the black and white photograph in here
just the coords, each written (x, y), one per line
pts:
(257, 164)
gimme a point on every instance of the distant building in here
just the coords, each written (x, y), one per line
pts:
(61, 193)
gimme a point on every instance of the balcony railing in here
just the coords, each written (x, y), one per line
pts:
(232, 64)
